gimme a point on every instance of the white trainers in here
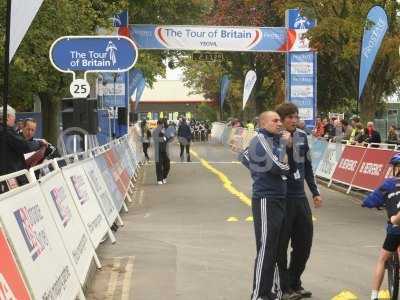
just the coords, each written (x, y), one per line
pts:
(159, 182)
(164, 181)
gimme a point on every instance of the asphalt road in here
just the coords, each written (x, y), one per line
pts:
(177, 242)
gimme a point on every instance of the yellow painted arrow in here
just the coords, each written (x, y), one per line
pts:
(232, 219)
(250, 219)
(345, 295)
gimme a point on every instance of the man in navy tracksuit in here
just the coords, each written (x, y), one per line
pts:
(265, 158)
(299, 224)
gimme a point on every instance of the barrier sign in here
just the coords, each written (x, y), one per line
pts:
(373, 168)
(348, 164)
(12, 286)
(317, 152)
(98, 186)
(86, 202)
(37, 245)
(93, 54)
(110, 181)
(69, 222)
(329, 161)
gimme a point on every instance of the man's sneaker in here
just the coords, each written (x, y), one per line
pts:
(291, 296)
(159, 182)
(303, 293)
(164, 181)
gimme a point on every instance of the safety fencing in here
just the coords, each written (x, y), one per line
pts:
(52, 224)
(362, 167)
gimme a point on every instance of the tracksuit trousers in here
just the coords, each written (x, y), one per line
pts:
(269, 216)
(299, 230)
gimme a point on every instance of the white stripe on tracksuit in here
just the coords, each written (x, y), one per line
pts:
(260, 258)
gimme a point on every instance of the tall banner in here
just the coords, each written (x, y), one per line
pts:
(374, 31)
(139, 92)
(22, 14)
(225, 83)
(301, 67)
(249, 82)
(113, 91)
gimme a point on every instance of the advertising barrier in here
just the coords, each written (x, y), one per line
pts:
(37, 244)
(373, 169)
(68, 221)
(348, 164)
(12, 285)
(317, 147)
(330, 159)
(111, 182)
(102, 194)
(86, 202)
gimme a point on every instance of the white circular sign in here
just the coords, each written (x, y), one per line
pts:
(79, 88)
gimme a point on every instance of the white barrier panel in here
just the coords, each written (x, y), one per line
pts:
(98, 186)
(86, 202)
(111, 184)
(37, 244)
(69, 222)
(329, 161)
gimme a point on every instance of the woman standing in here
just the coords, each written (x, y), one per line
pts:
(146, 135)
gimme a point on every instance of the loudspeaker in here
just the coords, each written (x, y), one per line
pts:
(81, 113)
(122, 115)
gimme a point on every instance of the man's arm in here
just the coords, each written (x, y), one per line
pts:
(17, 142)
(270, 161)
(310, 177)
(395, 220)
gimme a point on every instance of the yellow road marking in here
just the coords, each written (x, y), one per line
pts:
(384, 295)
(224, 179)
(127, 283)
(345, 295)
(314, 219)
(250, 219)
(112, 283)
(232, 219)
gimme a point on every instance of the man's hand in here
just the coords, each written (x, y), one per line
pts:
(317, 201)
(287, 138)
(43, 142)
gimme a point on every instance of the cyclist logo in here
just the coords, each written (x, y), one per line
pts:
(302, 22)
(111, 50)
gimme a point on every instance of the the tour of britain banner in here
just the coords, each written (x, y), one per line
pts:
(211, 38)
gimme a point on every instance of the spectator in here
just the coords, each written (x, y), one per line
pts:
(19, 126)
(357, 133)
(330, 130)
(146, 135)
(392, 135)
(14, 145)
(319, 130)
(184, 138)
(354, 121)
(160, 150)
(250, 125)
(302, 125)
(370, 135)
(347, 130)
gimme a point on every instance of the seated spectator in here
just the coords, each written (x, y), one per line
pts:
(330, 130)
(392, 135)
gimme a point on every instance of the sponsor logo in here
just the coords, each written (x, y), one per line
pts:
(370, 168)
(348, 164)
(28, 220)
(5, 291)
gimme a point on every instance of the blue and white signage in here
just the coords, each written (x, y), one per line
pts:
(210, 38)
(93, 54)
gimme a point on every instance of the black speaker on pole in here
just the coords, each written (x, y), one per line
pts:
(122, 115)
(81, 113)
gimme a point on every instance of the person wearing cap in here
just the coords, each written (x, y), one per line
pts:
(13, 146)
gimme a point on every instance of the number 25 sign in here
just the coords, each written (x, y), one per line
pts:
(92, 54)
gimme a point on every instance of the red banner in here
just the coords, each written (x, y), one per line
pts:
(348, 164)
(12, 285)
(373, 168)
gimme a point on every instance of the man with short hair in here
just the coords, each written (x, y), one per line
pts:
(12, 145)
(266, 159)
(298, 224)
(184, 138)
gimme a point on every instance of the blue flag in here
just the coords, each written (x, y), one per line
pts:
(225, 82)
(139, 92)
(374, 32)
(135, 77)
(121, 19)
